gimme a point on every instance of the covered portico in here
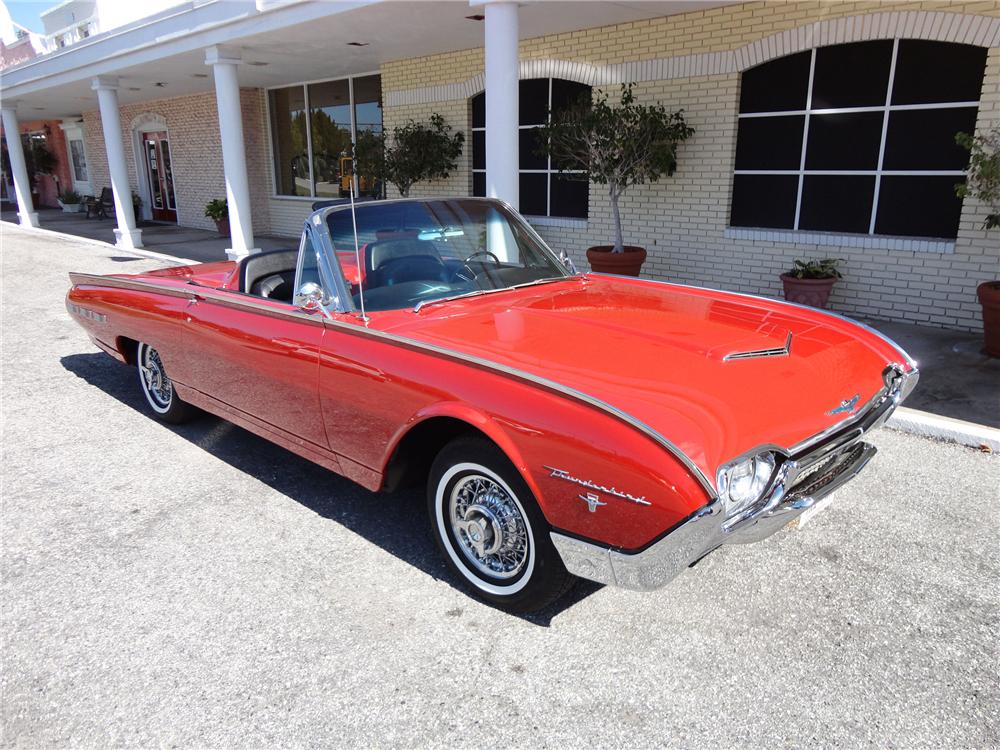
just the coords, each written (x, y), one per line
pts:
(222, 49)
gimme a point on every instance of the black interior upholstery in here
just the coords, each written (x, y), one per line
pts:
(270, 274)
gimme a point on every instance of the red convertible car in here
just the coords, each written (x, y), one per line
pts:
(565, 424)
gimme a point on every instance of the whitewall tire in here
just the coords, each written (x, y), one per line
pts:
(158, 389)
(490, 529)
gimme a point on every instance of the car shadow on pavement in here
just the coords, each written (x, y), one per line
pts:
(385, 519)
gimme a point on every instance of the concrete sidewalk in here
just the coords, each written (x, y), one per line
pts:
(168, 239)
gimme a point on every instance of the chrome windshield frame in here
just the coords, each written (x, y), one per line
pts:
(330, 264)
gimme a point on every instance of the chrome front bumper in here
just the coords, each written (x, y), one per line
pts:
(802, 481)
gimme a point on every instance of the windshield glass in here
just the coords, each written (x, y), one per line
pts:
(413, 252)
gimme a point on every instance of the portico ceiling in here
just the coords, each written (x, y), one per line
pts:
(283, 43)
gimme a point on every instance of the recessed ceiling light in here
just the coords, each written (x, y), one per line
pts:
(199, 75)
(38, 109)
(258, 63)
(134, 88)
(477, 17)
(358, 44)
(159, 84)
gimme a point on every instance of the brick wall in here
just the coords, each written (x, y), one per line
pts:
(192, 123)
(682, 220)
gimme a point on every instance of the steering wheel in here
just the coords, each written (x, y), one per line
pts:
(471, 270)
(483, 252)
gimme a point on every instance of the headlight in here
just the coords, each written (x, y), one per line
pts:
(742, 483)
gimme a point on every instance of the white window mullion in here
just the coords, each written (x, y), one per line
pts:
(885, 130)
(548, 160)
(309, 140)
(805, 140)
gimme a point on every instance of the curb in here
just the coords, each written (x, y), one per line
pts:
(945, 428)
(150, 254)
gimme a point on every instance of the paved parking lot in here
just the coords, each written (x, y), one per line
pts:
(199, 587)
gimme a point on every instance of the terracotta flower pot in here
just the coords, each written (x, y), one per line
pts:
(989, 297)
(222, 225)
(629, 263)
(812, 292)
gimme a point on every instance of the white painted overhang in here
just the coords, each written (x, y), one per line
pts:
(290, 42)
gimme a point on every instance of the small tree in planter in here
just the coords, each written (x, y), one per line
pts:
(619, 146)
(811, 281)
(217, 210)
(982, 182)
(421, 152)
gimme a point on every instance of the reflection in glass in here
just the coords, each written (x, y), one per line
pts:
(288, 131)
(330, 119)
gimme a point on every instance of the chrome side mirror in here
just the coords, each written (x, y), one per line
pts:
(311, 297)
(568, 262)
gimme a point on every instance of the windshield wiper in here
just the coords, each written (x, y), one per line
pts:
(481, 292)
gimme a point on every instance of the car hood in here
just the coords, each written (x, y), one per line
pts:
(664, 354)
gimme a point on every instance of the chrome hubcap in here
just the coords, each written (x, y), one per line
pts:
(488, 526)
(157, 383)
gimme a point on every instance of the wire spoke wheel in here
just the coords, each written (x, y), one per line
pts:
(159, 390)
(489, 526)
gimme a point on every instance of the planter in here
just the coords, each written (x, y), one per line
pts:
(70, 208)
(222, 225)
(629, 263)
(812, 292)
(989, 297)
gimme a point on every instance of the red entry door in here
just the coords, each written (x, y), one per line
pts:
(161, 178)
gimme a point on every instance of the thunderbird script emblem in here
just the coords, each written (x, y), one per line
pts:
(847, 406)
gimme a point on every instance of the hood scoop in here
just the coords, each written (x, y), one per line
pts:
(781, 351)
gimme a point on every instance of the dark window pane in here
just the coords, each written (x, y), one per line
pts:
(533, 101)
(849, 141)
(769, 142)
(852, 75)
(288, 134)
(479, 184)
(933, 72)
(527, 147)
(764, 200)
(567, 93)
(479, 110)
(479, 149)
(534, 193)
(569, 197)
(925, 138)
(919, 206)
(837, 203)
(777, 85)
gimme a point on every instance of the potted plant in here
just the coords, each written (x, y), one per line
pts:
(217, 210)
(70, 201)
(982, 182)
(419, 152)
(811, 281)
(618, 146)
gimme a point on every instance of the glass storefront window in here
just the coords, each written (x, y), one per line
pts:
(330, 119)
(288, 144)
(329, 132)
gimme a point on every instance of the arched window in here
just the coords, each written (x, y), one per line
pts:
(543, 190)
(857, 138)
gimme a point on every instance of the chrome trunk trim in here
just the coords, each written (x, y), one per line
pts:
(781, 351)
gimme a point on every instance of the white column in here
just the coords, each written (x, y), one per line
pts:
(126, 235)
(501, 100)
(22, 185)
(224, 62)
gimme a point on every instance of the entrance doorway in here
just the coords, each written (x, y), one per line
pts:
(156, 148)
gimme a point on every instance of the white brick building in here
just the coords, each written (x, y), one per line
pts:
(855, 161)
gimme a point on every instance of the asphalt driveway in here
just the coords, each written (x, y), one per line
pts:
(199, 587)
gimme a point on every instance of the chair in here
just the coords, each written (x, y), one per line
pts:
(102, 207)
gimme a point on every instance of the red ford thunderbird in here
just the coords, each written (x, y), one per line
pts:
(565, 424)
